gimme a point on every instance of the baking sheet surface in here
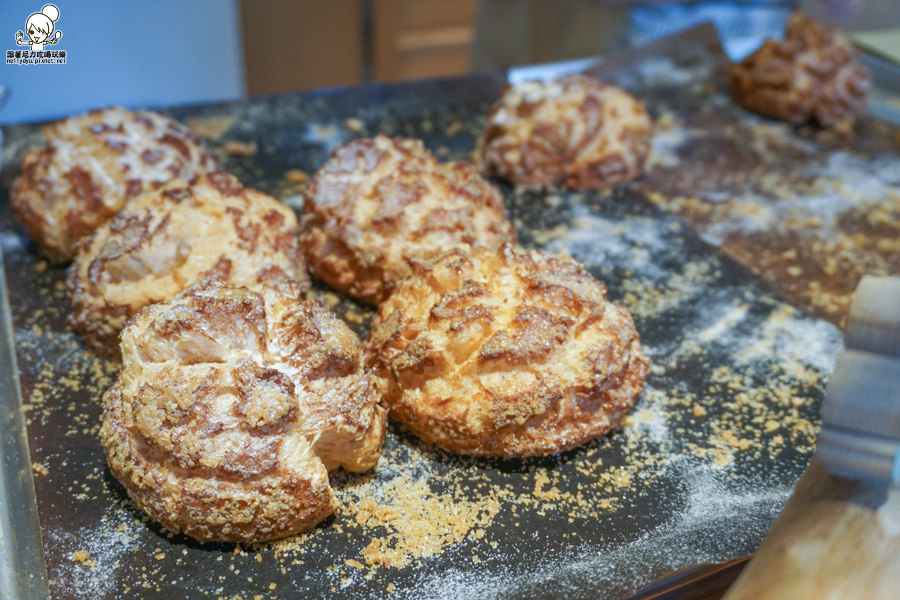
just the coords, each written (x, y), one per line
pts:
(809, 211)
(723, 429)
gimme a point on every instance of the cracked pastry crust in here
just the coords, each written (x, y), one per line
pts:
(164, 241)
(815, 74)
(92, 164)
(505, 353)
(232, 406)
(572, 132)
(379, 202)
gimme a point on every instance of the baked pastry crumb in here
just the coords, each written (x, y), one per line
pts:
(164, 241)
(232, 406)
(379, 202)
(92, 164)
(573, 132)
(814, 74)
(505, 353)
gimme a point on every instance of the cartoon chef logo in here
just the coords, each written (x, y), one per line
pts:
(40, 34)
(40, 28)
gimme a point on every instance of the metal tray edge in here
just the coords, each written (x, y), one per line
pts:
(23, 573)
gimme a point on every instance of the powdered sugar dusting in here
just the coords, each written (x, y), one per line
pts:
(95, 555)
(710, 511)
(597, 240)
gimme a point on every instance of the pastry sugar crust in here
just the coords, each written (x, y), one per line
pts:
(377, 203)
(814, 74)
(572, 132)
(92, 164)
(505, 353)
(165, 240)
(232, 406)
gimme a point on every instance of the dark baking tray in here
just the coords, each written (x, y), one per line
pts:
(725, 426)
(808, 210)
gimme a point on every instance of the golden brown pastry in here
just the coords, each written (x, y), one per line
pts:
(163, 241)
(92, 164)
(815, 74)
(232, 406)
(379, 202)
(573, 132)
(505, 353)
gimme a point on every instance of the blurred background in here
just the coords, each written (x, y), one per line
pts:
(168, 52)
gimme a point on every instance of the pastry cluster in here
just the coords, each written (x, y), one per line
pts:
(572, 132)
(478, 347)
(815, 74)
(231, 407)
(92, 164)
(237, 396)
